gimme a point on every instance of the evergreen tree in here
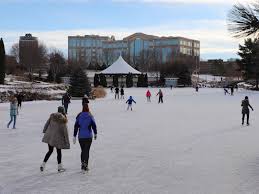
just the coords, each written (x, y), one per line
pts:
(50, 77)
(96, 80)
(2, 61)
(115, 80)
(79, 84)
(140, 82)
(103, 81)
(129, 80)
(249, 63)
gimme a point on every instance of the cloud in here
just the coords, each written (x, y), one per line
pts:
(212, 34)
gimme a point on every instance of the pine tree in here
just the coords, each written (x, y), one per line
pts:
(115, 80)
(2, 61)
(129, 80)
(79, 84)
(96, 80)
(103, 81)
(140, 82)
(50, 77)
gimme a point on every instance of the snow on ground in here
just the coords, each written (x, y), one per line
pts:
(193, 143)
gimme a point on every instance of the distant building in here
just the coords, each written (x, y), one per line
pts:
(139, 50)
(28, 51)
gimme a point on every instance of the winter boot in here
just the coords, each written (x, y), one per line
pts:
(42, 167)
(60, 168)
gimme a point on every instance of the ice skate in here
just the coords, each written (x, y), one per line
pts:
(61, 168)
(42, 167)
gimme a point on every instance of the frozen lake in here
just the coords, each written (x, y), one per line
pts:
(193, 143)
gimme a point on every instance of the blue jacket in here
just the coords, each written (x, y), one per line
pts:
(85, 124)
(130, 100)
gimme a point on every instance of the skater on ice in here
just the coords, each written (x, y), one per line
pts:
(130, 102)
(56, 136)
(197, 88)
(20, 99)
(86, 125)
(226, 91)
(148, 95)
(245, 110)
(13, 112)
(117, 95)
(122, 92)
(160, 95)
(66, 101)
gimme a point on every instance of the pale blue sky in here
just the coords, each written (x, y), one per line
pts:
(52, 21)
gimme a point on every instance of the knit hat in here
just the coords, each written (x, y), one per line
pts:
(61, 109)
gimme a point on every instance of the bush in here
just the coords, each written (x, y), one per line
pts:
(98, 92)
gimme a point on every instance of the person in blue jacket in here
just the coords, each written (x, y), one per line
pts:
(13, 111)
(86, 126)
(129, 102)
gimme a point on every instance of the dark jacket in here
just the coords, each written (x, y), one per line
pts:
(245, 104)
(122, 91)
(66, 99)
(130, 100)
(117, 90)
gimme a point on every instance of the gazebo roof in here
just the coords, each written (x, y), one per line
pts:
(120, 67)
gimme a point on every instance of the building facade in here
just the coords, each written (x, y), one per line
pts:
(139, 50)
(28, 51)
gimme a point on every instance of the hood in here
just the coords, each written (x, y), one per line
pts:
(58, 117)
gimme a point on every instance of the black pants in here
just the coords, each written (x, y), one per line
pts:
(160, 99)
(59, 154)
(85, 145)
(247, 118)
(66, 107)
(20, 104)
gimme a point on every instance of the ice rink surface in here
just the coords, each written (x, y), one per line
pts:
(193, 143)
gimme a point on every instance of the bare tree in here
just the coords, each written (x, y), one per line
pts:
(57, 63)
(243, 20)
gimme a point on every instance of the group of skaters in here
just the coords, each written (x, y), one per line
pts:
(56, 134)
(119, 92)
(85, 129)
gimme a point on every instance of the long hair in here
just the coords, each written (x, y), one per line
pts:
(85, 108)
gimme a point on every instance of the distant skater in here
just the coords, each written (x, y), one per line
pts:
(245, 110)
(111, 87)
(197, 88)
(66, 101)
(226, 91)
(117, 95)
(13, 111)
(160, 95)
(56, 136)
(148, 95)
(20, 99)
(130, 102)
(122, 92)
(86, 125)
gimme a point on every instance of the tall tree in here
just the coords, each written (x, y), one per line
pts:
(79, 83)
(103, 81)
(129, 80)
(57, 63)
(2, 61)
(249, 63)
(96, 80)
(243, 20)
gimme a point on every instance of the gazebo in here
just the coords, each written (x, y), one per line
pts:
(120, 68)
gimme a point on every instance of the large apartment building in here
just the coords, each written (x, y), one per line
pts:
(137, 49)
(28, 51)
